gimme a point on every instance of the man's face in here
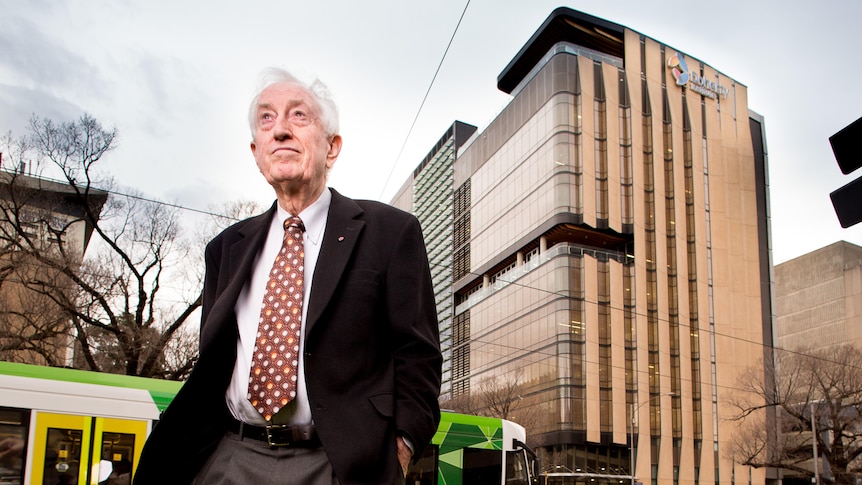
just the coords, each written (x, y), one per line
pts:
(290, 146)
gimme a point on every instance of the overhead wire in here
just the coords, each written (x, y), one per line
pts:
(139, 197)
(682, 324)
(422, 104)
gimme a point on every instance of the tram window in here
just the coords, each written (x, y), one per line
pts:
(14, 425)
(118, 448)
(482, 467)
(62, 456)
(516, 468)
(424, 471)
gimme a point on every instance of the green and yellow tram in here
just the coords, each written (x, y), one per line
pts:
(66, 426)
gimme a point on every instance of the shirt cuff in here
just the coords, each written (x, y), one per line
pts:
(408, 443)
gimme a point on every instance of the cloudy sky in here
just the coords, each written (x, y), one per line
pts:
(175, 78)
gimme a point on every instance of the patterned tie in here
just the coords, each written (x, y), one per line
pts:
(274, 365)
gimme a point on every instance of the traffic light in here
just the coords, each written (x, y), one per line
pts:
(847, 147)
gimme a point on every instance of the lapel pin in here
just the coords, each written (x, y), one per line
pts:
(340, 238)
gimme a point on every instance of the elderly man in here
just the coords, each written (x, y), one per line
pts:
(334, 378)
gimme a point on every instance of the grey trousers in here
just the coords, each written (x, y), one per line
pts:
(249, 462)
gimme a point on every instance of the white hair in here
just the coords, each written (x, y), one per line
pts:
(319, 93)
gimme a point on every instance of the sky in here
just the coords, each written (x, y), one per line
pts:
(175, 79)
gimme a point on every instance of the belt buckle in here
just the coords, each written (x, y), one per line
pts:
(276, 441)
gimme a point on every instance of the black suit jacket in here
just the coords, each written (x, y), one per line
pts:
(372, 357)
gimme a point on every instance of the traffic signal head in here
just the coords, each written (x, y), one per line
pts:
(847, 147)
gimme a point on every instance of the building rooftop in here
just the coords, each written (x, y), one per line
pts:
(563, 25)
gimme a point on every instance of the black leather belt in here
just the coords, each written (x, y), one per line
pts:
(279, 436)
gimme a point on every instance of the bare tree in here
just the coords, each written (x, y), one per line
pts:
(823, 388)
(462, 403)
(128, 304)
(500, 397)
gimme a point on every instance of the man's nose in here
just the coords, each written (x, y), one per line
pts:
(283, 130)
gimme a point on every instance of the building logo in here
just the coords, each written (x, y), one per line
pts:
(679, 69)
(695, 82)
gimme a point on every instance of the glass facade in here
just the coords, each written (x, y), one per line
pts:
(432, 206)
(441, 214)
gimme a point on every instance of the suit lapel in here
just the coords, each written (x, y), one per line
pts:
(343, 227)
(250, 240)
(241, 254)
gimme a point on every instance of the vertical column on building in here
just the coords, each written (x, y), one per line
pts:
(603, 303)
(604, 340)
(577, 337)
(653, 320)
(672, 279)
(600, 130)
(627, 220)
(693, 319)
(711, 298)
(460, 268)
(577, 353)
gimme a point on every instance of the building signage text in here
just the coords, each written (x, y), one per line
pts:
(695, 81)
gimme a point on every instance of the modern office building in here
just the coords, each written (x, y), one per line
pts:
(610, 250)
(818, 299)
(429, 195)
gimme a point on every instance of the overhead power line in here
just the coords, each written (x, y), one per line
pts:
(138, 197)
(422, 104)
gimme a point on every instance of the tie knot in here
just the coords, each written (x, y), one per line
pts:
(294, 222)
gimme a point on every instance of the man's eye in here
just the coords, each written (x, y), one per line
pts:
(299, 118)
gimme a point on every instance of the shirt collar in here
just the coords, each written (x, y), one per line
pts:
(313, 217)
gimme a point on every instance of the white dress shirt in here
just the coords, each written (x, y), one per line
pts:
(248, 307)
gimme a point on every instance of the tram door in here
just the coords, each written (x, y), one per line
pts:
(83, 450)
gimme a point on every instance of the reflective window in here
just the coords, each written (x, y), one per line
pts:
(516, 468)
(482, 467)
(62, 456)
(14, 426)
(118, 449)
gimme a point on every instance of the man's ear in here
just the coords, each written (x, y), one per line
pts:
(334, 150)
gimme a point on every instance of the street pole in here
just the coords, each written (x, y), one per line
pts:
(632, 445)
(813, 445)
